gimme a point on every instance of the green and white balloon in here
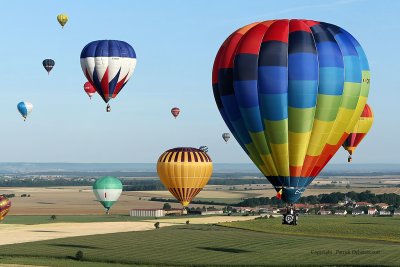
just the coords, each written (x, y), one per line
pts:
(107, 190)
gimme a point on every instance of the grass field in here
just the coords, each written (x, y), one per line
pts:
(40, 219)
(318, 240)
(358, 228)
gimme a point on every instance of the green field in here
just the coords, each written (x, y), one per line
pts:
(318, 240)
(40, 219)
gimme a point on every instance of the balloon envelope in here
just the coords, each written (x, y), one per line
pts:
(48, 64)
(175, 112)
(62, 19)
(107, 190)
(5, 205)
(24, 108)
(290, 92)
(89, 89)
(360, 130)
(184, 171)
(108, 65)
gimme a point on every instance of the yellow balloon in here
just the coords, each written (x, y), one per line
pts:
(62, 19)
(184, 171)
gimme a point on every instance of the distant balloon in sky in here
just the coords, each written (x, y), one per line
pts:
(108, 65)
(267, 78)
(175, 112)
(226, 137)
(48, 64)
(5, 205)
(107, 190)
(359, 131)
(62, 19)
(184, 171)
(89, 89)
(24, 109)
(204, 148)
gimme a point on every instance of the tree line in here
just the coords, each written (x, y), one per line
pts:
(332, 198)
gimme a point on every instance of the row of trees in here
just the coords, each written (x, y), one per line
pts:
(332, 198)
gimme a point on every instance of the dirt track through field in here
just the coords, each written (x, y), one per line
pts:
(19, 233)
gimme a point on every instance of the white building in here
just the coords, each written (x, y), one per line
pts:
(146, 213)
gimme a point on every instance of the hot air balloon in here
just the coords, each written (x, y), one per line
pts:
(24, 108)
(89, 89)
(5, 205)
(107, 190)
(108, 65)
(359, 131)
(290, 92)
(48, 64)
(204, 148)
(184, 171)
(62, 19)
(226, 137)
(175, 112)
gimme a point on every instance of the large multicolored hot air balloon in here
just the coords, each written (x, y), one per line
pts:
(5, 205)
(175, 112)
(359, 131)
(48, 64)
(24, 108)
(226, 137)
(184, 171)
(290, 91)
(107, 190)
(108, 65)
(62, 19)
(89, 89)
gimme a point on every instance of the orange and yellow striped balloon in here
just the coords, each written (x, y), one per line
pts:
(184, 171)
(5, 205)
(359, 131)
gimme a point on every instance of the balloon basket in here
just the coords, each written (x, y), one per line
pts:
(184, 211)
(290, 217)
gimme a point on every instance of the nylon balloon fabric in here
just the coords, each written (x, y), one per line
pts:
(184, 171)
(290, 92)
(108, 65)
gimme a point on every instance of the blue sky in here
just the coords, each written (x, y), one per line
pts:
(175, 43)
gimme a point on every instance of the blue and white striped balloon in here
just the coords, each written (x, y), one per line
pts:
(108, 65)
(24, 108)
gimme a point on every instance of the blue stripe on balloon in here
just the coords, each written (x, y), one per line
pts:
(113, 83)
(346, 46)
(303, 66)
(363, 58)
(352, 69)
(241, 130)
(246, 93)
(274, 106)
(272, 79)
(301, 42)
(321, 34)
(108, 48)
(97, 85)
(329, 55)
(245, 67)
(231, 107)
(225, 81)
(331, 81)
(252, 119)
(273, 53)
(303, 94)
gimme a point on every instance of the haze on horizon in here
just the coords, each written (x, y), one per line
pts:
(176, 43)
